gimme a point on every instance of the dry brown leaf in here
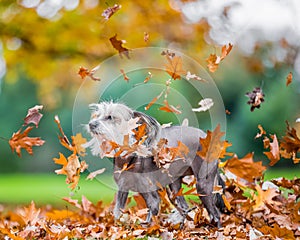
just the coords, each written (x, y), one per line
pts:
(264, 197)
(273, 155)
(256, 97)
(20, 140)
(126, 78)
(117, 44)
(245, 167)
(78, 141)
(289, 78)
(154, 100)
(213, 60)
(261, 131)
(174, 67)
(213, 147)
(84, 72)
(33, 115)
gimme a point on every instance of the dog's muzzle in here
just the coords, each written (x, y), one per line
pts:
(93, 125)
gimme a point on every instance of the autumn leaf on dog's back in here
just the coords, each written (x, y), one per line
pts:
(174, 67)
(21, 140)
(213, 147)
(118, 45)
(245, 167)
(33, 115)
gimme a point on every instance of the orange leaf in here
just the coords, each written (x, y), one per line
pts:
(273, 155)
(117, 44)
(225, 51)
(169, 108)
(289, 78)
(146, 36)
(153, 101)
(30, 214)
(126, 78)
(140, 132)
(84, 72)
(213, 60)
(213, 147)
(20, 140)
(261, 131)
(174, 67)
(263, 197)
(77, 141)
(245, 167)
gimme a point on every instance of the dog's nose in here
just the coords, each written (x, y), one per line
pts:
(93, 125)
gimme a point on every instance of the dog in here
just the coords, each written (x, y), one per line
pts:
(110, 122)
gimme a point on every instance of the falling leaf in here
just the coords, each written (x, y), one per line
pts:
(84, 72)
(289, 78)
(108, 12)
(193, 77)
(92, 175)
(227, 112)
(125, 168)
(154, 100)
(256, 98)
(213, 60)
(273, 155)
(71, 167)
(126, 78)
(117, 44)
(33, 115)
(261, 131)
(205, 104)
(174, 67)
(148, 77)
(146, 36)
(290, 144)
(245, 167)
(213, 147)
(78, 141)
(21, 140)
(63, 138)
(169, 108)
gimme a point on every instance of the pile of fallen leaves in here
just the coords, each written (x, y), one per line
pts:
(269, 210)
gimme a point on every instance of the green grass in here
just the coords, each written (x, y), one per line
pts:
(51, 188)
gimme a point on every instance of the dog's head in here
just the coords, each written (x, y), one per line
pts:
(112, 121)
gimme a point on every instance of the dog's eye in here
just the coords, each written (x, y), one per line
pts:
(109, 117)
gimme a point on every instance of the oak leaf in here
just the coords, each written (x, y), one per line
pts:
(117, 44)
(213, 147)
(78, 141)
(245, 167)
(213, 60)
(264, 197)
(274, 154)
(174, 67)
(33, 115)
(278, 232)
(21, 140)
(290, 144)
(30, 214)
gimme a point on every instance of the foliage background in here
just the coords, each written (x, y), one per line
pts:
(42, 54)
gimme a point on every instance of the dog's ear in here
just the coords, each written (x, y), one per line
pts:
(94, 107)
(152, 128)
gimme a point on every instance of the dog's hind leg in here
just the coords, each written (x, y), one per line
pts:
(152, 201)
(179, 201)
(120, 203)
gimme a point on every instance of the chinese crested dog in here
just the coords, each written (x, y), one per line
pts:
(114, 126)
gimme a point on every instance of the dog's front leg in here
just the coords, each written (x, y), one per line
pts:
(152, 201)
(120, 203)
